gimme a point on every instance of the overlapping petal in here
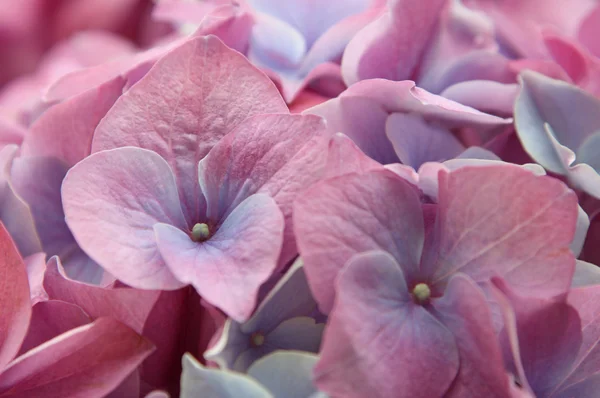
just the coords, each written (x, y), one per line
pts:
(198, 93)
(112, 200)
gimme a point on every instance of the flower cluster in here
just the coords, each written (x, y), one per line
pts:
(300, 199)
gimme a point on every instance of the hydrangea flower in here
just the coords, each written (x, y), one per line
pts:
(286, 319)
(169, 198)
(401, 261)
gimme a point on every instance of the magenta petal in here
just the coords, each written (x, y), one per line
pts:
(345, 157)
(127, 305)
(112, 199)
(15, 303)
(378, 342)
(88, 361)
(65, 131)
(280, 155)
(50, 319)
(130, 387)
(186, 103)
(36, 267)
(228, 269)
(549, 336)
(391, 46)
(340, 217)
(463, 309)
(588, 31)
(11, 132)
(585, 372)
(501, 220)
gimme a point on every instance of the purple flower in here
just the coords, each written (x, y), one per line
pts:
(411, 266)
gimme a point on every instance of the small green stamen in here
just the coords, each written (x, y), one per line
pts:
(200, 232)
(257, 339)
(421, 292)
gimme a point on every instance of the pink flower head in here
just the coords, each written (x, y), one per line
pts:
(52, 349)
(404, 265)
(195, 185)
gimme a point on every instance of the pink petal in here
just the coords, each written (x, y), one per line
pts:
(519, 23)
(10, 132)
(65, 131)
(588, 31)
(201, 105)
(174, 325)
(464, 310)
(112, 200)
(50, 319)
(15, 214)
(378, 342)
(585, 369)
(280, 155)
(14, 299)
(176, 11)
(501, 220)
(391, 46)
(331, 44)
(547, 353)
(231, 23)
(487, 96)
(228, 269)
(340, 217)
(127, 305)
(130, 387)
(87, 361)
(36, 267)
(462, 39)
(417, 142)
(38, 180)
(81, 80)
(345, 157)
(582, 67)
(306, 99)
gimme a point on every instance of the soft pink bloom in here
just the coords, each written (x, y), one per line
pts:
(190, 184)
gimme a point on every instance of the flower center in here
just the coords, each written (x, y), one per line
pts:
(421, 292)
(257, 339)
(200, 232)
